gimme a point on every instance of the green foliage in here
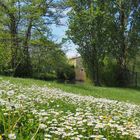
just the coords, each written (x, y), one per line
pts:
(45, 65)
(24, 69)
(108, 73)
(65, 73)
(26, 46)
(105, 29)
(124, 36)
(45, 76)
(87, 24)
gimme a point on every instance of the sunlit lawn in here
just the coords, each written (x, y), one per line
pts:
(122, 94)
(39, 110)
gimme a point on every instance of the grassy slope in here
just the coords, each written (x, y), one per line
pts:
(121, 94)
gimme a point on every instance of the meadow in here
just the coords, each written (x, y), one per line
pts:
(130, 95)
(38, 110)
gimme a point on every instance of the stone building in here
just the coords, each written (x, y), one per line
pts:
(80, 74)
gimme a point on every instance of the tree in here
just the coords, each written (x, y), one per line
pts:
(21, 18)
(10, 25)
(124, 34)
(106, 29)
(42, 56)
(87, 29)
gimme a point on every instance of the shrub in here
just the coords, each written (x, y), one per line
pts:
(109, 75)
(8, 72)
(45, 76)
(113, 75)
(66, 73)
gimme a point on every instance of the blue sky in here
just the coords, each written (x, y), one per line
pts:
(59, 33)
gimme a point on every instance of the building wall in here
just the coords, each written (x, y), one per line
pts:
(80, 74)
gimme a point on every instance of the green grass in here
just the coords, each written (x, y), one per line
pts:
(35, 113)
(122, 94)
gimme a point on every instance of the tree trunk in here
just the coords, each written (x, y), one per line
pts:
(97, 74)
(14, 44)
(122, 34)
(122, 75)
(25, 67)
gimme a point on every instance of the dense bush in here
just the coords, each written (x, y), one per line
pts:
(24, 70)
(8, 72)
(45, 76)
(109, 75)
(123, 77)
(66, 73)
(112, 75)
